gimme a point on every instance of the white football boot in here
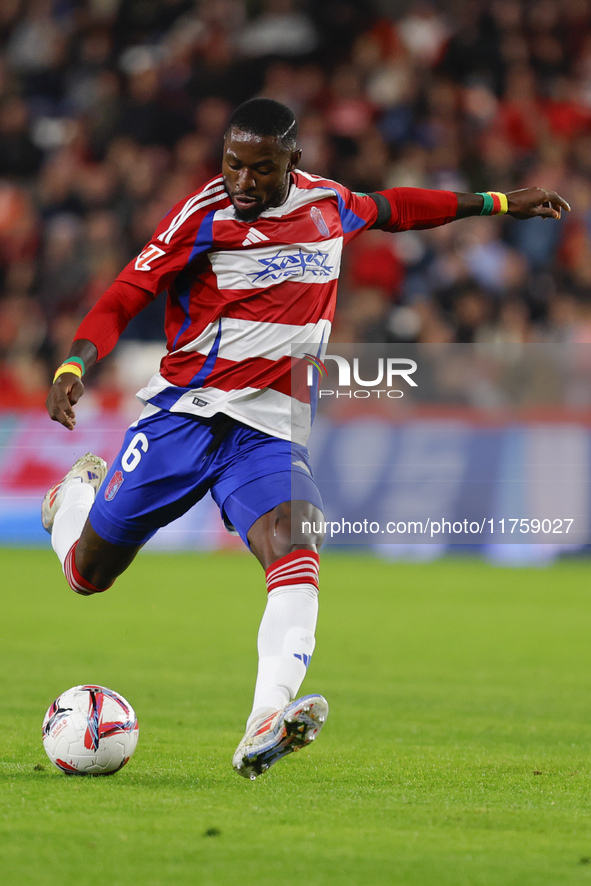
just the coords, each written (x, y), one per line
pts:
(287, 730)
(89, 469)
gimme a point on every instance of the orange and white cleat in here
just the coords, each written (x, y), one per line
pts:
(88, 469)
(287, 730)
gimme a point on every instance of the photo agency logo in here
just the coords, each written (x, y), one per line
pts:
(385, 374)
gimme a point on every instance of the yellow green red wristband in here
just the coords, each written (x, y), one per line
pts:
(77, 360)
(494, 203)
(68, 367)
(501, 204)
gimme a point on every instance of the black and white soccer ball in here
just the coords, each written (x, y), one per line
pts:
(90, 730)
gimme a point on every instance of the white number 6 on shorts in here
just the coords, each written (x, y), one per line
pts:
(132, 455)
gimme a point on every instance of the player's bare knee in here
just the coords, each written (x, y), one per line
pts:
(289, 527)
(307, 526)
(299, 524)
(76, 576)
(93, 564)
(95, 578)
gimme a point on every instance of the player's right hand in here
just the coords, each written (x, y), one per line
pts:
(63, 394)
(536, 203)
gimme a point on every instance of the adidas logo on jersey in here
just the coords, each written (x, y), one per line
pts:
(253, 236)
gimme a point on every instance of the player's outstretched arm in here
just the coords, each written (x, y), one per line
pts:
(67, 387)
(522, 204)
(97, 335)
(404, 209)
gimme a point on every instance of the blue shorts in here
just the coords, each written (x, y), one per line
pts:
(169, 461)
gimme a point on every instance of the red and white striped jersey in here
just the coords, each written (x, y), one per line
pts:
(242, 296)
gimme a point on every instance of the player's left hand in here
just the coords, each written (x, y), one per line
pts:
(63, 395)
(536, 203)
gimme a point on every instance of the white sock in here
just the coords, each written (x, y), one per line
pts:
(71, 517)
(286, 635)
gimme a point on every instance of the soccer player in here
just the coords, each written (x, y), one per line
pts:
(250, 264)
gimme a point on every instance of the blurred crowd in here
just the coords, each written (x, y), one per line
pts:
(112, 110)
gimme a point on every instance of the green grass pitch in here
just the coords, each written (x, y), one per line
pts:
(457, 752)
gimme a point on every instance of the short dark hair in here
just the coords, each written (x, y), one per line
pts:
(264, 116)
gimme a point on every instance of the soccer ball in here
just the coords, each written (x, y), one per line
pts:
(90, 730)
